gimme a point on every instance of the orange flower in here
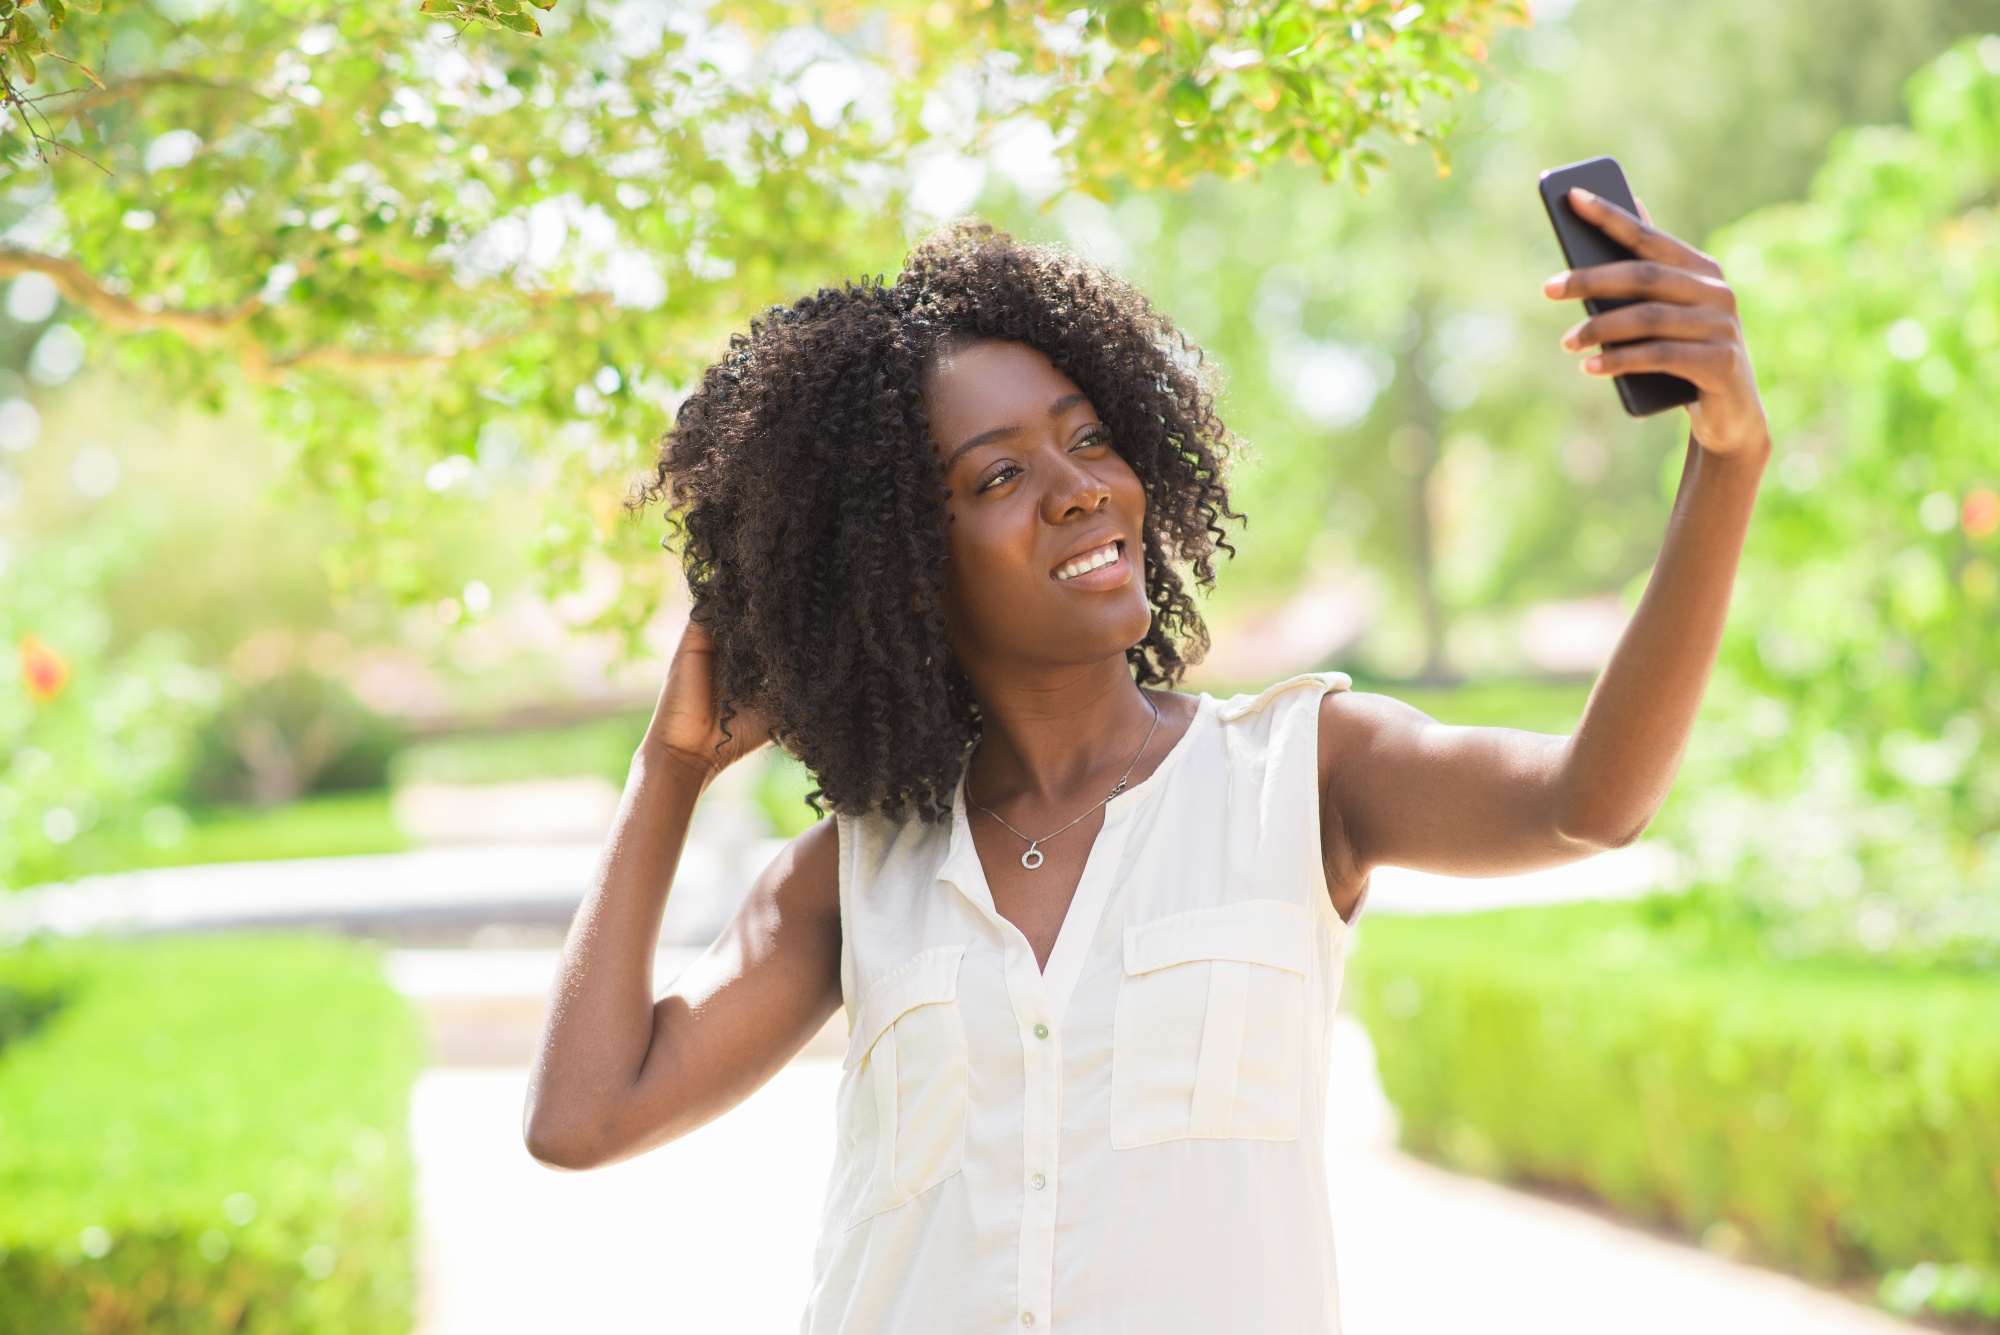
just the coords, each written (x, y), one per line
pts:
(1981, 513)
(43, 669)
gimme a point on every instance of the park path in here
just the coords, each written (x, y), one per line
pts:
(713, 1234)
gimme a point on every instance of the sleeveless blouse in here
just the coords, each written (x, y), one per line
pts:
(1130, 1141)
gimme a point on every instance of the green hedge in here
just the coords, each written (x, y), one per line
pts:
(1840, 1120)
(205, 1135)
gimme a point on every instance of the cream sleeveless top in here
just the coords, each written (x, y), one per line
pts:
(1131, 1140)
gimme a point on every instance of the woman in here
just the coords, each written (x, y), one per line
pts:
(1088, 931)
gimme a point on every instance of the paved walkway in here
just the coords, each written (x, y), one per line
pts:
(545, 882)
(714, 1234)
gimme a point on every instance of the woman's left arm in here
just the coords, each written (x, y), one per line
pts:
(1399, 788)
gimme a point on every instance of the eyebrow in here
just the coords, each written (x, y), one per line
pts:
(1056, 409)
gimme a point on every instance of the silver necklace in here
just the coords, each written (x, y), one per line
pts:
(1033, 857)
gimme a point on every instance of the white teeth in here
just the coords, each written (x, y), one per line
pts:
(1090, 561)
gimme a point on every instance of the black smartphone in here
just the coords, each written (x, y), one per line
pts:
(1584, 245)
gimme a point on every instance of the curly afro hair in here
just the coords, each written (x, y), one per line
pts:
(809, 501)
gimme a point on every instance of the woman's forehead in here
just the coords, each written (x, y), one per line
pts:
(973, 388)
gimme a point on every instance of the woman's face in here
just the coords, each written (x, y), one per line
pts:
(1045, 540)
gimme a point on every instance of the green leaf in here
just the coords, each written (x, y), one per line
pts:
(1187, 103)
(1291, 35)
(1129, 25)
(521, 23)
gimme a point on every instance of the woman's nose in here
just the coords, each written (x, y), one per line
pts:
(1074, 490)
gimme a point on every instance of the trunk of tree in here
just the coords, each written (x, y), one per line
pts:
(1414, 450)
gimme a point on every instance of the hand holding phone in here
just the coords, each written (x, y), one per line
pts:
(1586, 246)
(1661, 314)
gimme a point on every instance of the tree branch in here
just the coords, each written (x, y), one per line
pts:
(204, 328)
(227, 329)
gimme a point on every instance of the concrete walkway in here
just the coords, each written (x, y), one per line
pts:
(714, 1234)
(543, 883)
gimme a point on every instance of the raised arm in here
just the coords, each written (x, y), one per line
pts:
(619, 1073)
(1399, 788)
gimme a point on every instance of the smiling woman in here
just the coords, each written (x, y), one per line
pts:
(1089, 933)
(813, 503)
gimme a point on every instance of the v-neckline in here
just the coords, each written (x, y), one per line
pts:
(1093, 887)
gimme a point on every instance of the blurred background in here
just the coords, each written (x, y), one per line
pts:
(332, 342)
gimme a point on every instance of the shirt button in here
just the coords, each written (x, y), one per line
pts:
(1038, 1182)
(1027, 1318)
(1041, 1031)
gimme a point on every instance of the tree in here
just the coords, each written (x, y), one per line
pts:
(451, 257)
(1390, 355)
(416, 241)
(1847, 787)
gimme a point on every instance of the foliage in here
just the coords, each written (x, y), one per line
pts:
(292, 733)
(89, 729)
(784, 793)
(25, 38)
(1840, 1119)
(1392, 359)
(1846, 783)
(207, 1135)
(427, 249)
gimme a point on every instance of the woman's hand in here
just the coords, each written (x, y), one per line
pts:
(1683, 323)
(687, 725)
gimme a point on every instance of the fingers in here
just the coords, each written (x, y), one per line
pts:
(1638, 235)
(1645, 280)
(1712, 366)
(1649, 319)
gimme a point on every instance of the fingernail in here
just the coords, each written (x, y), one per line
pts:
(1555, 283)
(1583, 194)
(1592, 365)
(1570, 342)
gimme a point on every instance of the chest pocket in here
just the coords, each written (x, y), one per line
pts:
(907, 1068)
(1209, 1037)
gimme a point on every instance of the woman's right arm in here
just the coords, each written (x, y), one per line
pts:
(618, 1072)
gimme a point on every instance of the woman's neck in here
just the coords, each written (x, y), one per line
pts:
(1053, 735)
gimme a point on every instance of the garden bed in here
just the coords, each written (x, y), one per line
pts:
(1840, 1120)
(204, 1135)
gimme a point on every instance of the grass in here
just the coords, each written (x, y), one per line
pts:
(1537, 706)
(602, 746)
(206, 1135)
(320, 825)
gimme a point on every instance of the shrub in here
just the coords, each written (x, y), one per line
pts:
(290, 734)
(1839, 784)
(204, 1136)
(1836, 1118)
(92, 731)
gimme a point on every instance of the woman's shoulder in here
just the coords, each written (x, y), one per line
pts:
(1303, 691)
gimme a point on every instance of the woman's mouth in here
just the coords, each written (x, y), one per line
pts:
(1095, 559)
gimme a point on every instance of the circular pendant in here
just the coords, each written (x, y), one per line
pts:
(1032, 858)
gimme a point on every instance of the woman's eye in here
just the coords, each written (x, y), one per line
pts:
(1095, 436)
(1006, 473)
